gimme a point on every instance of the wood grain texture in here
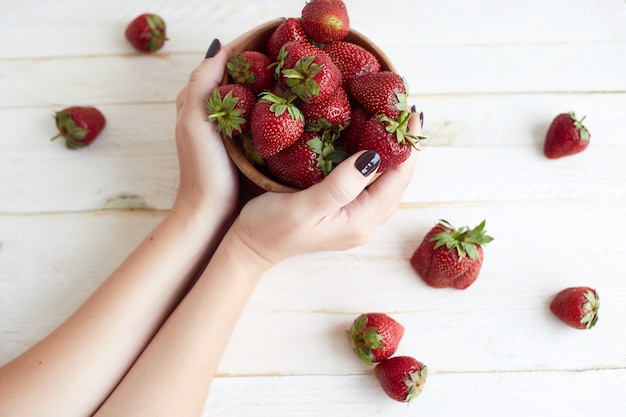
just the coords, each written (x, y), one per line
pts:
(489, 76)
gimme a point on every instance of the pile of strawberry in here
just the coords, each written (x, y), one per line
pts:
(310, 99)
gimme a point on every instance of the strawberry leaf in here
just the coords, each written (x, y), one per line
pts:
(464, 240)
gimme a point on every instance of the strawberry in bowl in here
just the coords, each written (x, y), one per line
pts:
(304, 114)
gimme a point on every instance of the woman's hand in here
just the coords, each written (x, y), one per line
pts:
(336, 214)
(208, 180)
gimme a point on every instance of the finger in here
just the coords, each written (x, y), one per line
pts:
(343, 184)
(382, 197)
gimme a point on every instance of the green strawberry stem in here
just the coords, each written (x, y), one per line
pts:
(578, 124)
(300, 78)
(463, 239)
(591, 306)
(401, 129)
(279, 105)
(224, 112)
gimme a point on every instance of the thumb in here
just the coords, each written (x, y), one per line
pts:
(209, 74)
(345, 182)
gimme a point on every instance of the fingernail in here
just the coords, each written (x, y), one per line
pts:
(422, 119)
(367, 162)
(413, 109)
(213, 49)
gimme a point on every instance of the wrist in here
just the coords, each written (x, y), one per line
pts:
(234, 247)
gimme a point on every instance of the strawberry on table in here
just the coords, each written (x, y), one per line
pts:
(449, 257)
(577, 307)
(146, 33)
(275, 123)
(390, 138)
(401, 377)
(252, 69)
(566, 136)
(79, 125)
(325, 21)
(383, 92)
(375, 337)
(230, 108)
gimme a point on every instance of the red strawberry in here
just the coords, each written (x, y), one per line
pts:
(401, 377)
(290, 53)
(577, 307)
(334, 112)
(313, 78)
(352, 60)
(391, 139)
(146, 33)
(351, 136)
(306, 162)
(252, 69)
(288, 31)
(375, 337)
(275, 123)
(325, 21)
(230, 107)
(449, 257)
(383, 92)
(79, 126)
(566, 136)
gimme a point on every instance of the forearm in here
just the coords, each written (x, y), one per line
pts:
(76, 367)
(173, 375)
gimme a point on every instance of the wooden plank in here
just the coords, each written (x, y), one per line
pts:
(192, 28)
(88, 180)
(516, 119)
(450, 120)
(575, 394)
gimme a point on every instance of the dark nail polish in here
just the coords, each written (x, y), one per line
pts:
(413, 109)
(367, 162)
(213, 49)
(422, 119)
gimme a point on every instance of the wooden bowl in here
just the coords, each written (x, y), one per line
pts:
(254, 179)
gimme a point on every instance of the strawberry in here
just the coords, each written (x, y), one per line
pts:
(449, 257)
(230, 107)
(252, 69)
(325, 21)
(275, 123)
(401, 377)
(566, 136)
(383, 92)
(577, 307)
(375, 337)
(352, 60)
(79, 126)
(288, 31)
(334, 112)
(313, 78)
(290, 53)
(390, 138)
(146, 33)
(351, 136)
(306, 162)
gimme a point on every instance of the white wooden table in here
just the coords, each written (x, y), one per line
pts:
(489, 75)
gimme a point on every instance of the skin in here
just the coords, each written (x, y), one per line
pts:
(177, 297)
